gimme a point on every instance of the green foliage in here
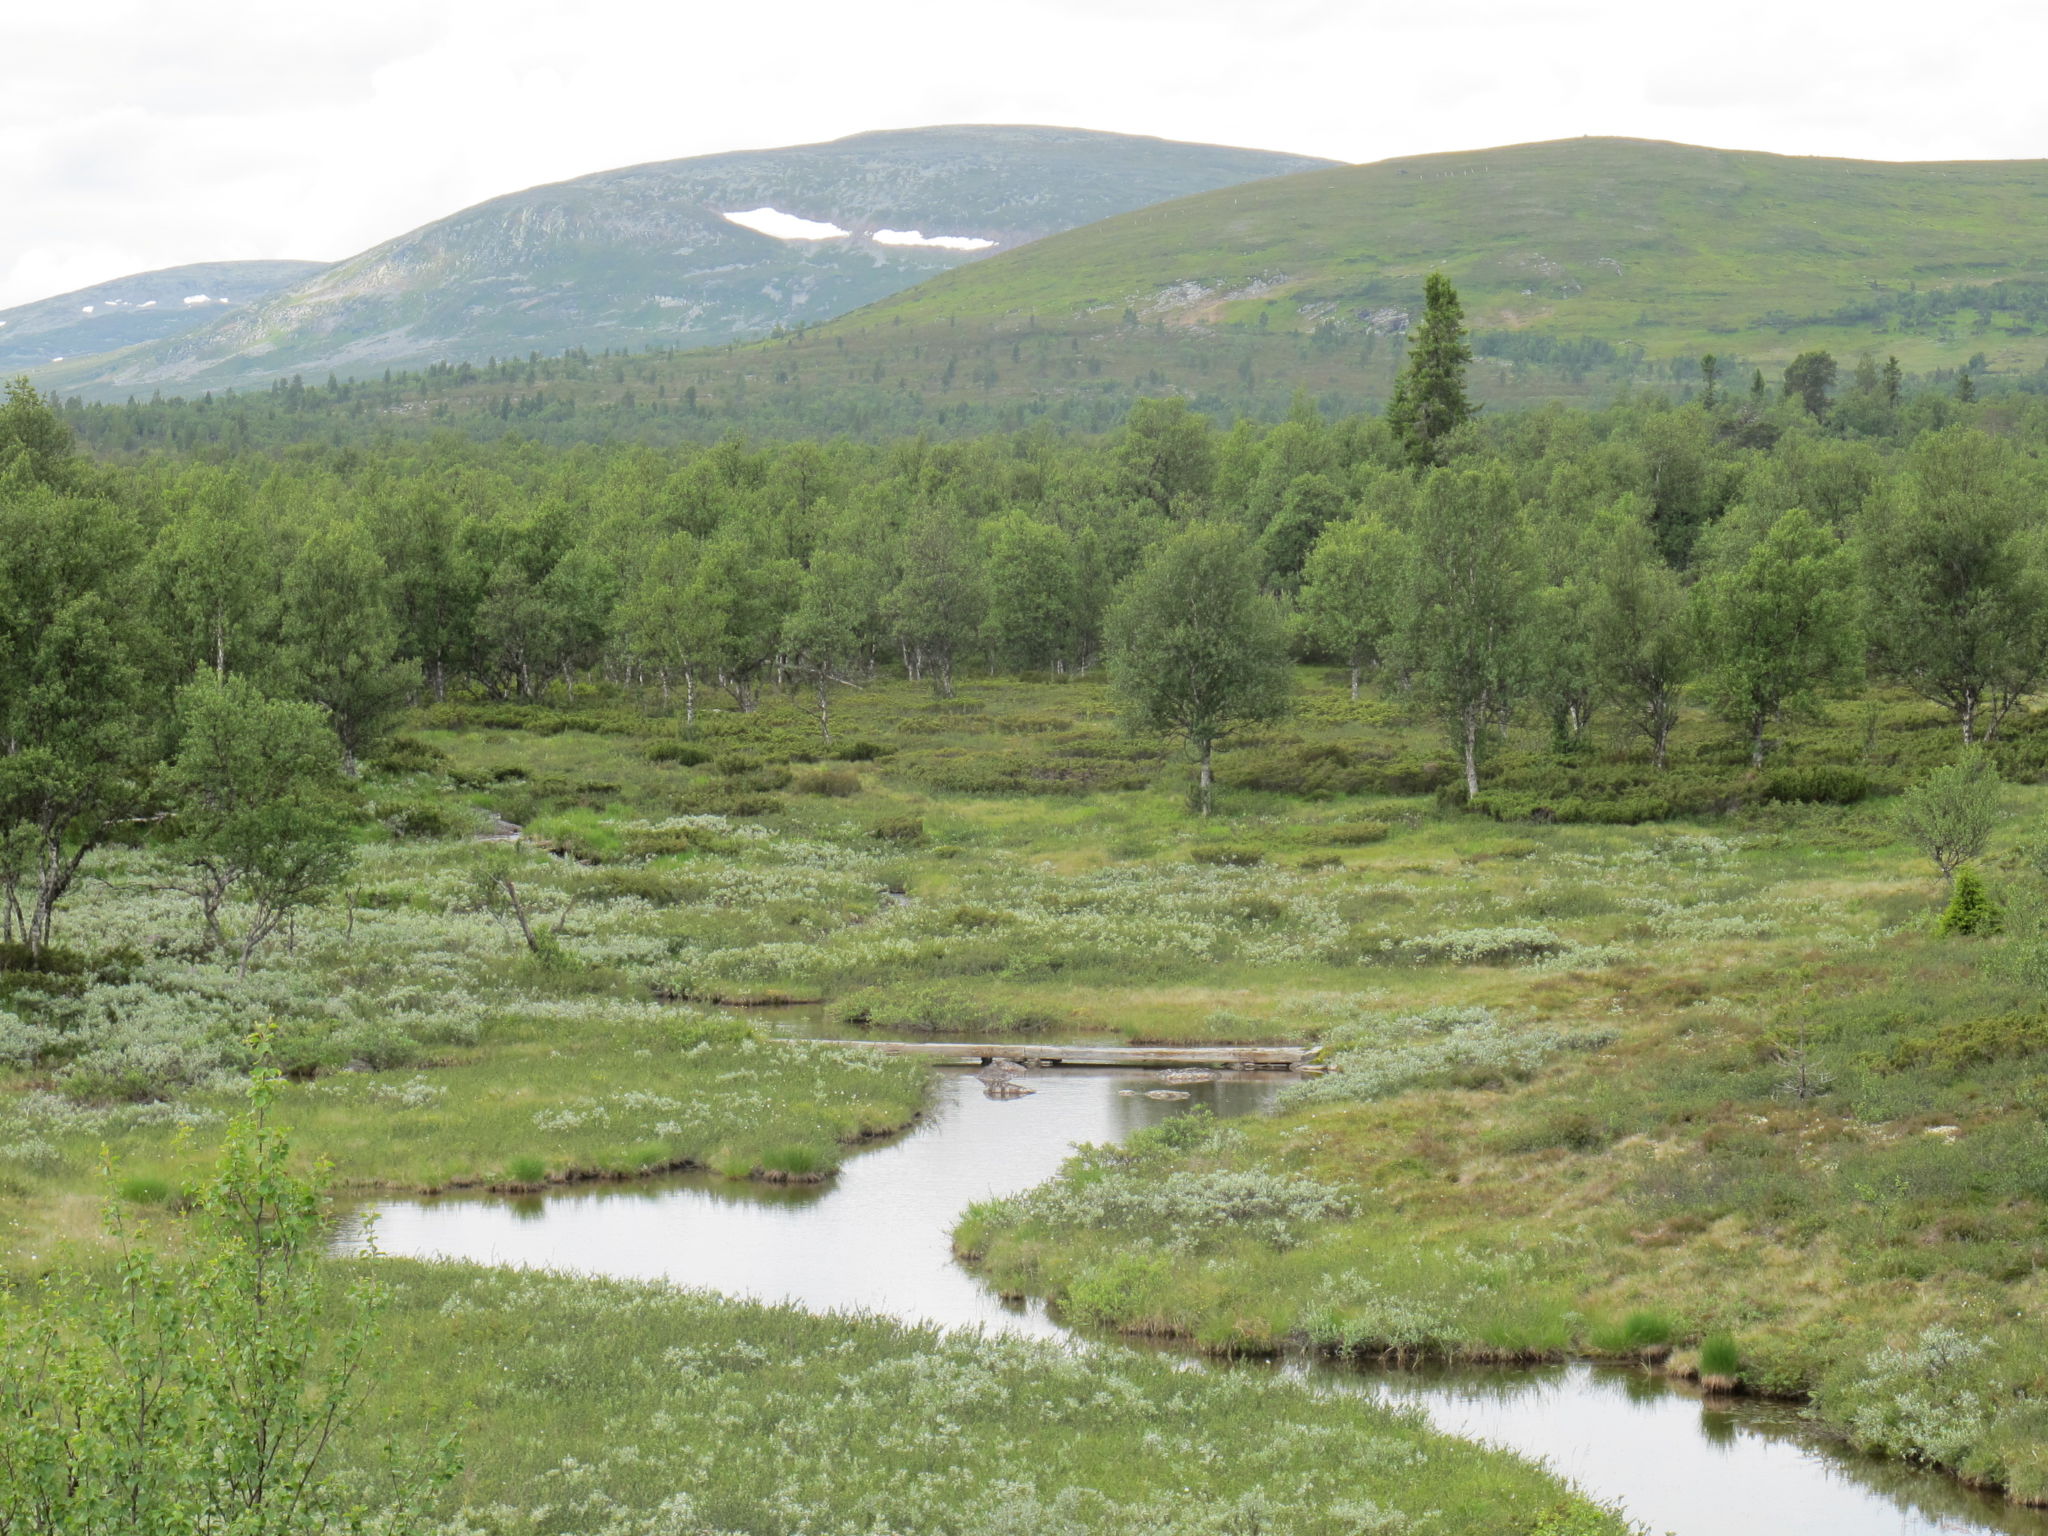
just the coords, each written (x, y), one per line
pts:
(898, 829)
(1778, 626)
(1227, 855)
(1951, 814)
(1470, 603)
(1820, 784)
(834, 783)
(257, 809)
(1195, 649)
(206, 1392)
(1429, 402)
(1968, 1043)
(1971, 910)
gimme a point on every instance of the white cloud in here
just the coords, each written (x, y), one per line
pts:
(196, 298)
(919, 237)
(85, 309)
(785, 226)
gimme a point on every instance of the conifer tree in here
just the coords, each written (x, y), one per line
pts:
(1429, 400)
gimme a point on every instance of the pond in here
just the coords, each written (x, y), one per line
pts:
(876, 1238)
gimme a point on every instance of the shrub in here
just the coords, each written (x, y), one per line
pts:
(144, 1190)
(526, 1170)
(682, 754)
(837, 783)
(408, 754)
(860, 752)
(1228, 855)
(1314, 772)
(1354, 834)
(428, 819)
(898, 829)
(1949, 816)
(1485, 946)
(1971, 909)
(1821, 784)
(1972, 1043)
(1317, 861)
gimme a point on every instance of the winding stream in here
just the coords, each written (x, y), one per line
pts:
(877, 1239)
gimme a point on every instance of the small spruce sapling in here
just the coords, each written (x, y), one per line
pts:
(1971, 910)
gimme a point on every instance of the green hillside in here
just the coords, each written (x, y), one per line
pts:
(1582, 263)
(1586, 266)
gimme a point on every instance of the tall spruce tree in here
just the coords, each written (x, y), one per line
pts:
(1429, 402)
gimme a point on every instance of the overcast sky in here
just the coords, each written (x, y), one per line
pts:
(146, 133)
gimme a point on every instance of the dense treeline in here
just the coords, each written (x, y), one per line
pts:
(1752, 550)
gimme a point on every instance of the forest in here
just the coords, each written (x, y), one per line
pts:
(1596, 785)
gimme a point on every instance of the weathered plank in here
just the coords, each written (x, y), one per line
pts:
(1041, 1053)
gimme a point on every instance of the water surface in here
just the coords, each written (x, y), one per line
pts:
(877, 1238)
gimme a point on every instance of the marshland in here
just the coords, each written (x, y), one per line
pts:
(486, 853)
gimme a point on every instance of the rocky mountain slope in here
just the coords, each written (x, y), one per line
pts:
(652, 255)
(145, 307)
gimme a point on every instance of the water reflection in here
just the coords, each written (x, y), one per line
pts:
(876, 1238)
(1682, 1464)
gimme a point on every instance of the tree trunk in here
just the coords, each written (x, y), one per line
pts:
(1660, 742)
(825, 708)
(1356, 671)
(568, 684)
(1208, 777)
(1969, 718)
(440, 680)
(689, 696)
(1471, 753)
(1756, 745)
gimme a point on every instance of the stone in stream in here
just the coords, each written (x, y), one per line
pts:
(1167, 1093)
(1188, 1075)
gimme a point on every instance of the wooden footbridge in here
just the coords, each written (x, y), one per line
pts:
(1034, 1053)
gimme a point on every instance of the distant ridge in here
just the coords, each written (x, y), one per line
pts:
(647, 255)
(145, 307)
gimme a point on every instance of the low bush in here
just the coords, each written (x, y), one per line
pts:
(1227, 855)
(408, 754)
(1354, 834)
(1972, 1043)
(682, 754)
(898, 829)
(860, 752)
(1315, 771)
(1820, 784)
(835, 783)
(426, 820)
(1485, 946)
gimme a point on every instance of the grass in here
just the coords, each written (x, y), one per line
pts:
(593, 1405)
(1606, 1089)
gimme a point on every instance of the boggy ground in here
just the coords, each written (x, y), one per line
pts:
(1607, 1088)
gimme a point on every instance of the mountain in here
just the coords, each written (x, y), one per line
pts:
(1662, 246)
(652, 255)
(1582, 264)
(145, 307)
